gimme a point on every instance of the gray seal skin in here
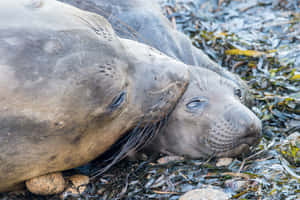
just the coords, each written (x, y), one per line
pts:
(218, 125)
(208, 121)
(70, 89)
(143, 21)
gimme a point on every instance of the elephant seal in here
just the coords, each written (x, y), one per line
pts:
(70, 89)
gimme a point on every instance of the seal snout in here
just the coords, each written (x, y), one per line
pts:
(235, 132)
(251, 126)
(243, 121)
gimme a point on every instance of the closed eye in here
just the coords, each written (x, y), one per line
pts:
(196, 104)
(238, 92)
(117, 101)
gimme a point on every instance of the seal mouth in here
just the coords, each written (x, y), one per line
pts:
(232, 139)
(240, 148)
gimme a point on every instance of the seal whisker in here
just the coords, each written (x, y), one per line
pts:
(201, 86)
(206, 81)
(132, 141)
(125, 142)
(153, 131)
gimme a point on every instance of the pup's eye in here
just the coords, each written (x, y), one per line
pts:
(117, 101)
(196, 104)
(238, 92)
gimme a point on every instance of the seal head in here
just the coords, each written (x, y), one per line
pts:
(209, 120)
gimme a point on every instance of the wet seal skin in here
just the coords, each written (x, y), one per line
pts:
(201, 117)
(209, 120)
(144, 22)
(71, 89)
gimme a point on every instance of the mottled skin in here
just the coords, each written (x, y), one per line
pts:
(69, 88)
(208, 121)
(143, 21)
(220, 113)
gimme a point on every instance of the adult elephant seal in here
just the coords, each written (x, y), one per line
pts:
(70, 89)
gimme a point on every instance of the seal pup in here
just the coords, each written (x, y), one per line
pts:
(210, 120)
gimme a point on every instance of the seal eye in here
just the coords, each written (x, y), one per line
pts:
(117, 101)
(238, 92)
(196, 104)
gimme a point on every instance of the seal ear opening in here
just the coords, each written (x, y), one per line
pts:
(133, 140)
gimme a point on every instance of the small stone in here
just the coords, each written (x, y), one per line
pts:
(49, 184)
(236, 185)
(79, 180)
(222, 162)
(208, 193)
(167, 159)
(78, 186)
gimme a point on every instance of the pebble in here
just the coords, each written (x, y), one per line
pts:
(79, 183)
(236, 185)
(223, 162)
(208, 193)
(49, 184)
(168, 159)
